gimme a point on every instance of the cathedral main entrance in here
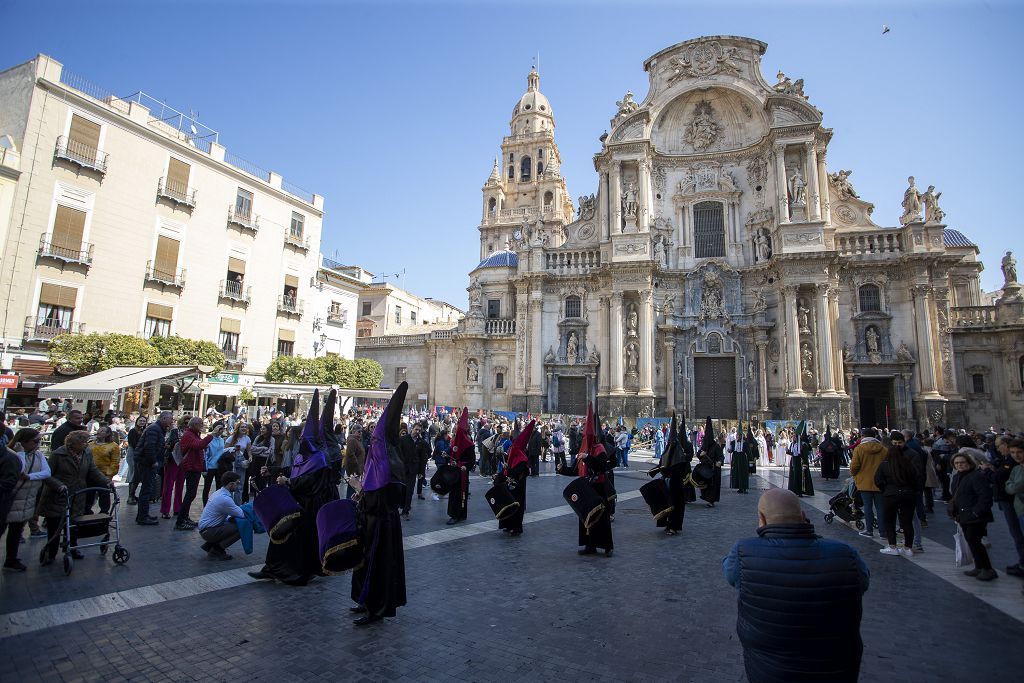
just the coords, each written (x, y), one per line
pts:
(876, 397)
(714, 383)
(572, 395)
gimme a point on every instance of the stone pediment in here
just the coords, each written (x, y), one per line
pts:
(581, 233)
(790, 110)
(851, 212)
(706, 59)
(709, 121)
(632, 128)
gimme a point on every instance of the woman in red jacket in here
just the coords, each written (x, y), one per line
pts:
(193, 463)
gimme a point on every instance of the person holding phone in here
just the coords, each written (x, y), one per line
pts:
(193, 463)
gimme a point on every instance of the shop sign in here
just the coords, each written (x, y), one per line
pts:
(224, 378)
(9, 381)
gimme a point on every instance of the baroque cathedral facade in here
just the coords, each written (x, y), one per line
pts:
(719, 268)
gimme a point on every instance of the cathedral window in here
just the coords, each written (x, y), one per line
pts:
(494, 308)
(708, 230)
(540, 168)
(540, 155)
(492, 205)
(548, 196)
(572, 307)
(525, 169)
(499, 380)
(870, 297)
(978, 383)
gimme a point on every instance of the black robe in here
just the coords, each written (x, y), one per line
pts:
(298, 559)
(515, 479)
(712, 493)
(600, 534)
(800, 470)
(458, 499)
(830, 457)
(677, 492)
(379, 584)
(739, 473)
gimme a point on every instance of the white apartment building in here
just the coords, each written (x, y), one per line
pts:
(387, 309)
(334, 299)
(130, 217)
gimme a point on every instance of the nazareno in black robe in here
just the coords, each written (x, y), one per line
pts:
(379, 584)
(712, 493)
(515, 479)
(458, 499)
(599, 535)
(674, 478)
(830, 451)
(298, 559)
(800, 470)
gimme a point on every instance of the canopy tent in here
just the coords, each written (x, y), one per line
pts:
(103, 385)
(287, 389)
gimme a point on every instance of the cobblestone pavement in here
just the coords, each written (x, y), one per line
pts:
(484, 606)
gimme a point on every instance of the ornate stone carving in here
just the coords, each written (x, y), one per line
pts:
(765, 215)
(632, 353)
(475, 293)
(911, 204)
(803, 315)
(711, 300)
(807, 361)
(788, 87)
(630, 199)
(932, 212)
(757, 170)
(630, 130)
(703, 59)
(903, 353)
(472, 371)
(845, 214)
(659, 178)
(586, 232)
(797, 189)
(572, 348)
(840, 181)
(760, 305)
(871, 338)
(702, 131)
(549, 357)
(587, 207)
(626, 105)
(1009, 268)
(762, 242)
(773, 351)
(632, 321)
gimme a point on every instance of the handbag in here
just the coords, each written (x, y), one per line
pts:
(176, 453)
(963, 553)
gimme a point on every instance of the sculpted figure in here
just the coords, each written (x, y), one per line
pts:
(472, 371)
(626, 105)
(1009, 266)
(932, 212)
(871, 338)
(632, 357)
(630, 199)
(688, 185)
(726, 182)
(805, 315)
(572, 348)
(911, 204)
(797, 188)
(703, 130)
(841, 181)
(903, 352)
(631, 321)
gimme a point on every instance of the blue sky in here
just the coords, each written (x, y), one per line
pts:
(394, 110)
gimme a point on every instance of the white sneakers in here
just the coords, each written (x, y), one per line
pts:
(906, 552)
(889, 551)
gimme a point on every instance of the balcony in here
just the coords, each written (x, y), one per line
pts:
(518, 214)
(235, 292)
(176, 193)
(236, 358)
(500, 327)
(972, 316)
(860, 244)
(572, 262)
(168, 279)
(338, 316)
(82, 256)
(289, 305)
(81, 155)
(243, 221)
(45, 331)
(296, 242)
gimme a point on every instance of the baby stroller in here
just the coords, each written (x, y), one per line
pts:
(89, 526)
(842, 505)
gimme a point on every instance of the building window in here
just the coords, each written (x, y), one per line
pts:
(290, 292)
(525, 169)
(165, 265)
(978, 383)
(84, 139)
(234, 283)
(177, 178)
(499, 380)
(573, 307)
(243, 204)
(870, 297)
(412, 317)
(56, 308)
(549, 197)
(366, 308)
(400, 375)
(68, 232)
(228, 341)
(365, 332)
(492, 206)
(158, 321)
(398, 315)
(708, 230)
(494, 308)
(298, 225)
(285, 348)
(540, 168)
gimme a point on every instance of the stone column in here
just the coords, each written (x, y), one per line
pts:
(536, 340)
(792, 341)
(762, 376)
(616, 343)
(615, 200)
(837, 354)
(812, 181)
(925, 340)
(646, 342)
(826, 371)
(826, 209)
(670, 374)
(603, 339)
(602, 205)
(643, 218)
(781, 182)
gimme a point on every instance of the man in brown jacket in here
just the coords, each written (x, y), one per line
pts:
(867, 456)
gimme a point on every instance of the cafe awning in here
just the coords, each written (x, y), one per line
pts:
(286, 389)
(102, 385)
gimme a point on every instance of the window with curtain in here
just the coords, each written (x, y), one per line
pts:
(285, 348)
(243, 203)
(158, 321)
(708, 230)
(56, 307)
(298, 225)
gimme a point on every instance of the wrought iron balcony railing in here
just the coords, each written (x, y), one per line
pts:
(337, 315)
(164, 277)
(37, 330)
(289, 305)
(244, 221)
(235, 291)
(236, 357)
(81, 154)
(296, 241)
(179, 193)
(80, 253)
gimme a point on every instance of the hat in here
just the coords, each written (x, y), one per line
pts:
(380, 468)
(311, 456)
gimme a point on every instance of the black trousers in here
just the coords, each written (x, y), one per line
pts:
(900, 507)
(191, 488)
(408, 493)
(222, 535)
(14, 530)
(973, 533)
(419, 484)
(210, 477)
(53, 527)
(147, 484)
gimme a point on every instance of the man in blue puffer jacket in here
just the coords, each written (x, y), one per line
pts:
(799, 598)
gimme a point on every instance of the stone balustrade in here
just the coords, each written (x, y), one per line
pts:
(572, 261)
(964, 316)
(861, 243)
(500, 327)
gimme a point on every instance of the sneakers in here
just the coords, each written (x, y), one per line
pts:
(435, 496)
(865, 534)
(987, 575)
(906, 552)
(38, 533)
(184, 526)
(887, 550)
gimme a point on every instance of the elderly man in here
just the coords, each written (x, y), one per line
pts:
(799, 598)
(73, 423)
(151, 450)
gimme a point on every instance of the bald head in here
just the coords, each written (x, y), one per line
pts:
(779, 506)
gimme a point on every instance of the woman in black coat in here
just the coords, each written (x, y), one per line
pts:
(899, 479)
(971, 507)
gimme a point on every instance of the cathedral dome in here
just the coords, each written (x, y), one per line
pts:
(504, 258)
(532, 101)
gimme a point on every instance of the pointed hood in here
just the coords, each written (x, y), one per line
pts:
(462, 443)
(684, 439)
(750, 433)
(588, 442)
(379, 471)
(517, 453)
(311, 456)
(673, 447)
(709, 435)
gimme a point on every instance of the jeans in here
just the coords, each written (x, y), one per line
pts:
(1016, 525)
(191, 488)
(900, 506)
(973, 533)
(147, 483)
(872, 502)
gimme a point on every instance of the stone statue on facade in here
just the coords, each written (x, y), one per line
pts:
(871, 339)
(762, 245)
(804, 314)
(711, 299)
(1009, 266)
(847, 352)
(760, 305)
(626, 105)
(703, 130)
(903, 353)
(911, 204)
(688, 185)
(726, 183)
(797, 189)
(472, 371)
(572, 349)
(587, 207)
(549, 357)
(475, 293)
(632, 321)
(630, 200)
(751, 374)
(594, 357)
(658, 251)
(807, 360)
(632, 358)
(788, 87)
(932, 212)
(841, 181)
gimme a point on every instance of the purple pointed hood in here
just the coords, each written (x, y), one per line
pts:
(311, 455)
(378, 471)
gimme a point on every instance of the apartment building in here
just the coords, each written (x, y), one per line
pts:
(131, 217)
(334, 299)
(387, 309)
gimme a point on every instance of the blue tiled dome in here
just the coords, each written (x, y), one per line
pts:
(500, 259)
(955, 238)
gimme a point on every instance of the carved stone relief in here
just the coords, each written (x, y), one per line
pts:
(703, 130)
(702, 60)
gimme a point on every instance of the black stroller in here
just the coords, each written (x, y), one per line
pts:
(89, 526)
(842, 505)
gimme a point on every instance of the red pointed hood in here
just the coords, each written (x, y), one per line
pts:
(462, 443)
(588, 443)
(517, 453)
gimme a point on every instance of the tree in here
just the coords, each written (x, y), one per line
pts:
(177, 350)
(361, 373)
(246, 396)
(89, 353)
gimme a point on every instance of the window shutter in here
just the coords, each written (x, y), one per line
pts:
(177, 174)
(286, 335)
(291, 281)
(84, 133)
(68, 228)
(159, 311)
(166, 256)
(231, 325)
(57, 295)
(236, 265)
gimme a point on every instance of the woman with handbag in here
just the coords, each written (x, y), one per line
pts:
(971, 507)
(34, 471)
(898, 479)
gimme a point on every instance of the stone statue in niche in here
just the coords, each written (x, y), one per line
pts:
(797, 189)
(932, 212)
(804, 314)
(751, 374)
(1009, 266)
(726, 183)
(807, 360)
(475, 293)
(679, 368)
(703, 130)
(903, 353)
(711, 299)
(841, 181)
(871, 339)
(762, 245)
(760, 305)
(472, 371)
(632, 321)
(549, 357)
(572, 348)
(659, 254)
(911, 204)
(632, 357)
(630, 200)
(626, 105)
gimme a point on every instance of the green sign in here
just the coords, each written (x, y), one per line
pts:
(224, 378)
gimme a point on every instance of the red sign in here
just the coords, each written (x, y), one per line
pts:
(9, 381)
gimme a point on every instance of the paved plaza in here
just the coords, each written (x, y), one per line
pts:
(484, 606)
